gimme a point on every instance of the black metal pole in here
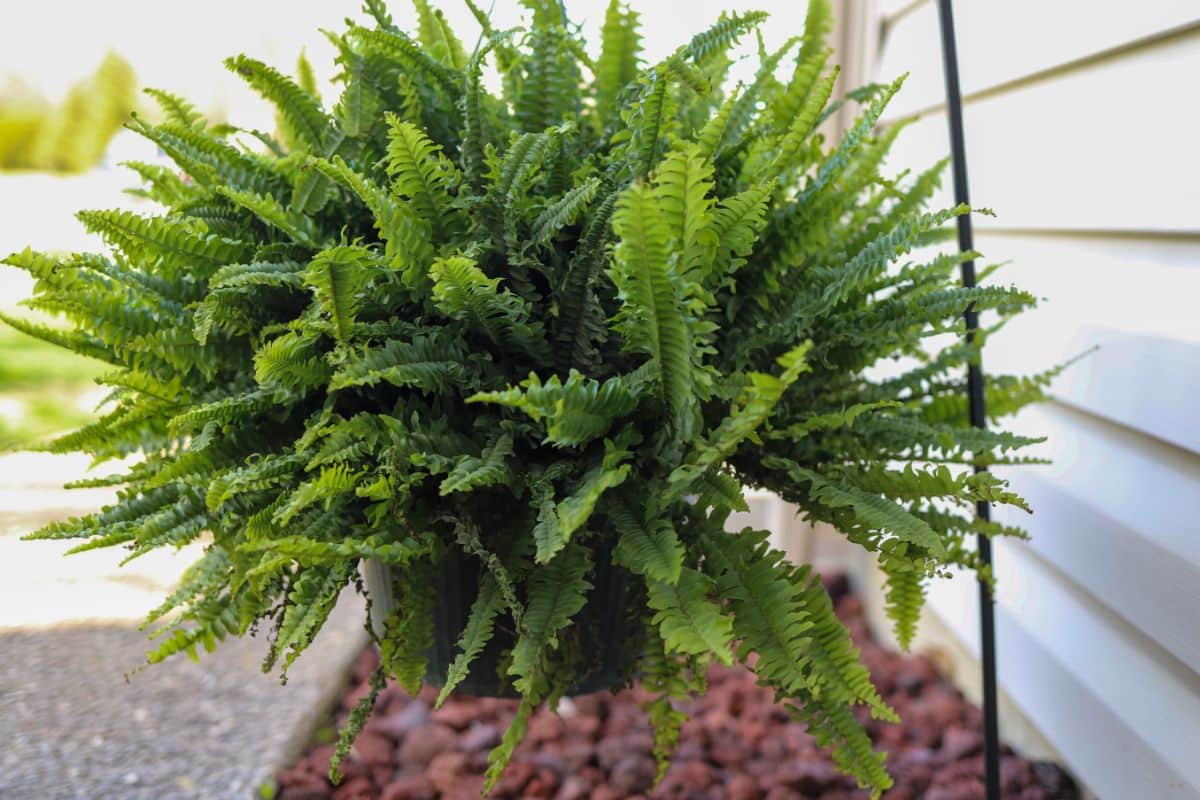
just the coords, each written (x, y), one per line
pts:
(977, 407)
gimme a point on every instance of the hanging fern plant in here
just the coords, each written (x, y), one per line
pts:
(520, 354)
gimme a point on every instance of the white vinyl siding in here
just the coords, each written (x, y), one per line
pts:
(1081, 127)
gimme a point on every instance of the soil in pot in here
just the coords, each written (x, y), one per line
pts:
(737, 744)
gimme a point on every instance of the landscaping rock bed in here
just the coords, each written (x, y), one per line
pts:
(737, 744)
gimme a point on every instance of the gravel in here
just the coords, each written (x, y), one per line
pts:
(75, 729)
(736, 745)
(72, 726)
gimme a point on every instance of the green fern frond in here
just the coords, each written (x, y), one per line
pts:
(689, 621)
(436, 36)
(337, 276)
(620, 45)
(557, 592)
(297, 226)
(355, 723)
(490, 468)
(430, 363)
(500, 756)
(575, 510)
(715, 41)
(873, 511)
(575, 412)
(475, 636)
(165, 242)
(408, 55)
(549, 91)
(751, 409)
(904, 591)
(418, 171)
(408, 635)
(562, 212)
(652, 316)
(175, 108)
(303, 113)
(648, 547)
(462, 291)
(682, 187)
(546, 328)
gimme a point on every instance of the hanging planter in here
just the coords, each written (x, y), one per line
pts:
(602, 627)
(517, 356)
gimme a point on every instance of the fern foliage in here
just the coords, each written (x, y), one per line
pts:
(548, 325)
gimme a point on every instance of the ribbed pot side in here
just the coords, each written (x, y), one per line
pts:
(602, 629)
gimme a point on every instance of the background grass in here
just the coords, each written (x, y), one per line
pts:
(43, 390)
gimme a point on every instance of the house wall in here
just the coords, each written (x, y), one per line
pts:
(1081, 128)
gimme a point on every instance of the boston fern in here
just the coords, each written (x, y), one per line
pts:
(542, 336)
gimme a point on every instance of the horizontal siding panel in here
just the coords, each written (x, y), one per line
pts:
(1108, 148)
(1110, 293)
(1133, 480)
(1124, 714)
(1145, 285)
(1145, 382)
(1152, 588)
(1002, 42)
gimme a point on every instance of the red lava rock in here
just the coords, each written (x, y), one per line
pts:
(295, 776)
(1015, 774)
(457, 715)
(593, 775)
(319, 757)
(735, 745)
(373, 748)
(622, 719)
(753, 731)
(742, 787)
(480, 736)
(633, 773)
(514, 779)
(550, 761)
(312, 790)
(355, 789)
(959, 743)
(837, 585)
(445, 769)
(424, 742)
(469, 788)
(591, 705)
(914, 674)
(784, 793)
(811, 778)
(728, 750)
(587, 727)
(356, 694)
(966, 789)
(544, 784)
(693, 775)
(546, 726)
(414, 715)
(574, 788)
(578, 755)
(613, 749)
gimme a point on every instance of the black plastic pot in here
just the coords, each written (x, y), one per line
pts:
(601, 630)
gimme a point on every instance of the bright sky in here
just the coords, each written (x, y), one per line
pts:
(180, 46)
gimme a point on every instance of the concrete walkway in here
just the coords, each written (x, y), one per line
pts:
(74, 728)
